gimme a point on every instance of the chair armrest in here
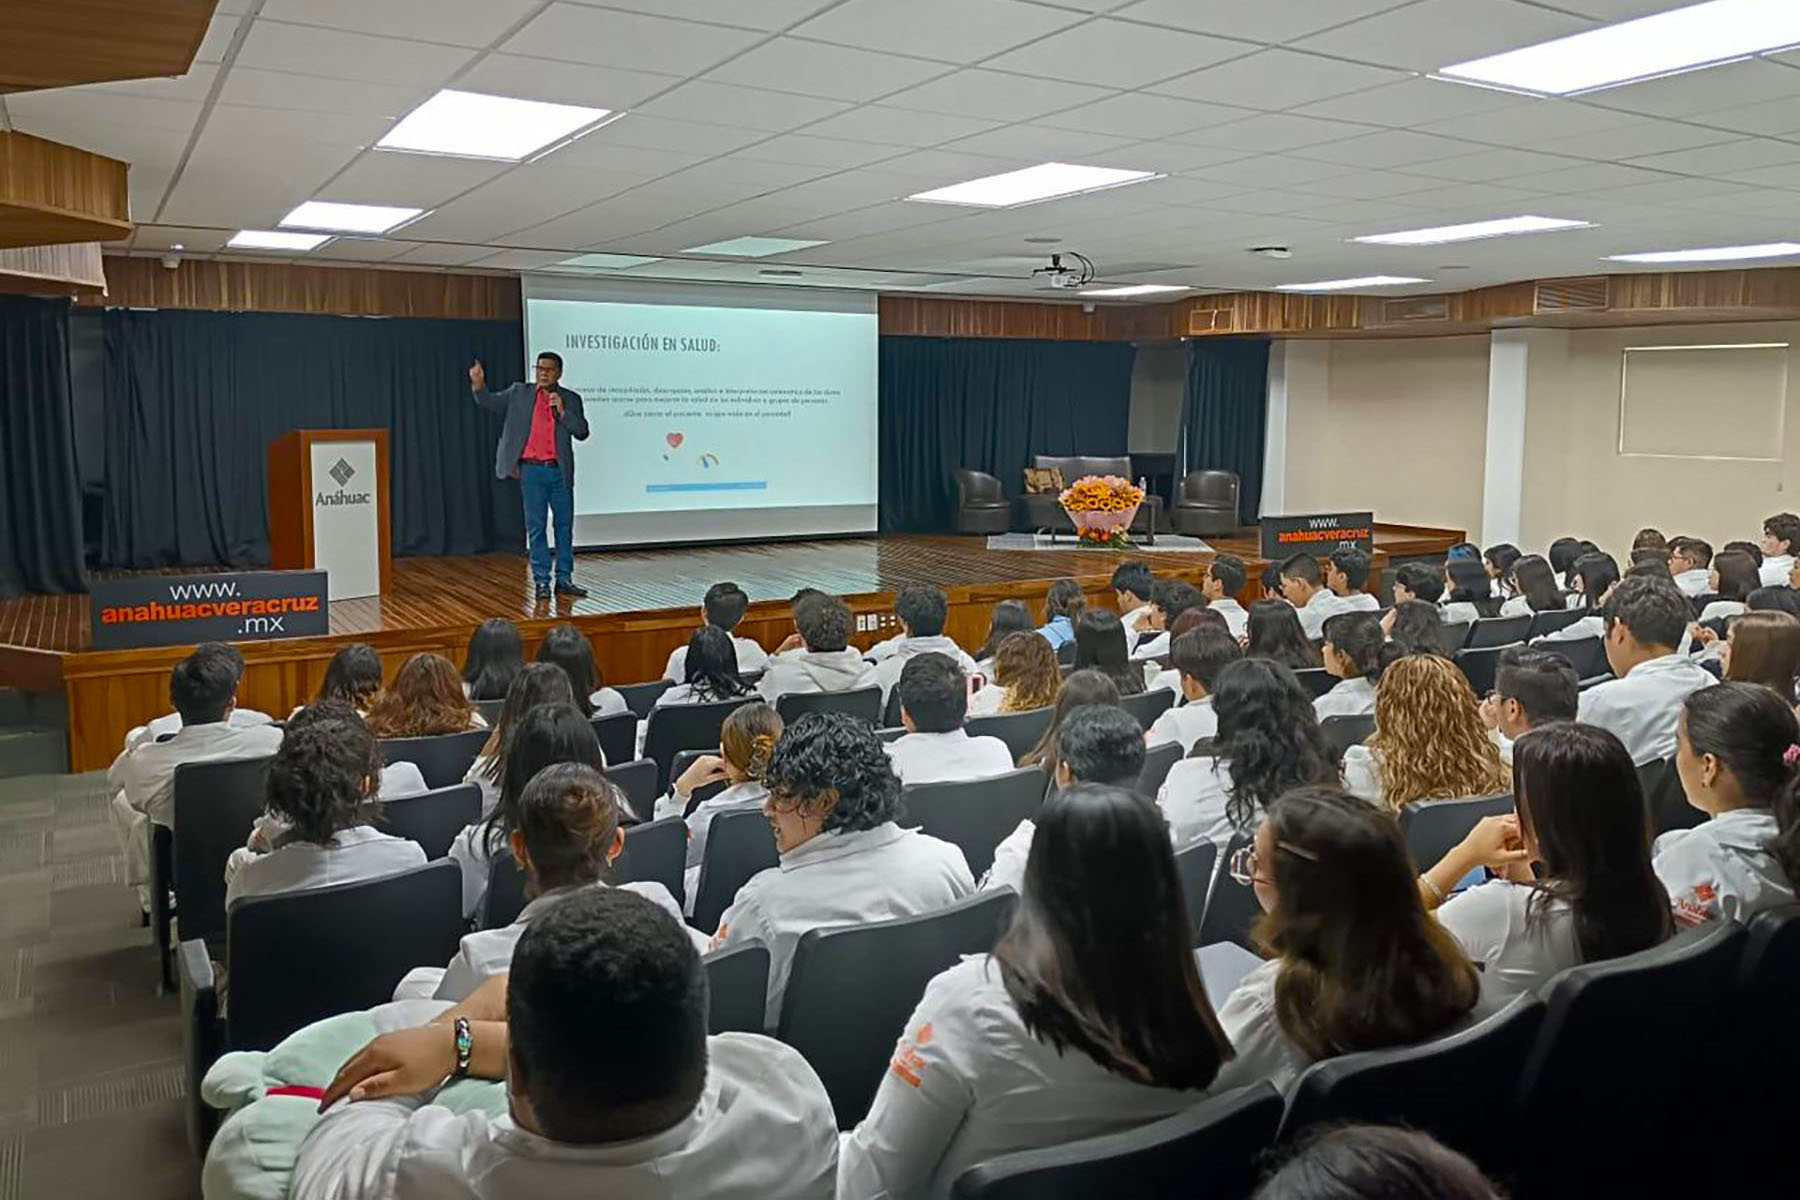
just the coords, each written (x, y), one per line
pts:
(202, 1037)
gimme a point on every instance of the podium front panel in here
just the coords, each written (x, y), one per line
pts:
(346, 517)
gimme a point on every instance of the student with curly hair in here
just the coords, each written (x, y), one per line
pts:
(833, 799)
(746, 741)
(426, 699)
(1429, 741)
(1025, 677)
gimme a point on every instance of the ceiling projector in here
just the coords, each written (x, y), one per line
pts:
(1059, 275)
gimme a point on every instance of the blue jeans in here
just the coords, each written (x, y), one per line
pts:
(545, 487)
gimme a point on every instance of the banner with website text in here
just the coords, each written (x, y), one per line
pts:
(136, 611)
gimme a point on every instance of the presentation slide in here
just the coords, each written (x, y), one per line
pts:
(715, 412)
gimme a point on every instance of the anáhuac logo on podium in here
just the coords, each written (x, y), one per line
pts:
(342, 472)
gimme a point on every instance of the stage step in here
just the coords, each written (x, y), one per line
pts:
(33, 750)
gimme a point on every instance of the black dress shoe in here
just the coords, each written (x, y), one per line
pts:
(569, 587)
(543, 591)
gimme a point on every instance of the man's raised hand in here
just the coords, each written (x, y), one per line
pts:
(478, 377)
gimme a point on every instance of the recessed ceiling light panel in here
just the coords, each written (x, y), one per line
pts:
(603, 262)
(1136, 289)
(348, 218)
(475, 125)
(1472, 231)
(1712, 254)
(753, 247)
(1350, 285)
(276, 239)
(1046, 181)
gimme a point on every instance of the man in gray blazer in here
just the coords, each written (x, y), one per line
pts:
(543, 420)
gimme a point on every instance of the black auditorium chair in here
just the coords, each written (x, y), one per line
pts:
(890, 712)
(434, 818)
(1665, 797)
(1316, 680)
(1195, 866)
(489, 710)
(1433, 827)
(637, 779)
(442, 760)
(685, 759)
(216, 804)
(1586, 655)
(974, 814)
(1147, 706)
(1767, 983)
(1553, 620)
(891, 735)
(640, 698)
(617, 734)
(654, 853)
(162, 907)
(852, 988)
(1480, 666)
(981, 503)
(685, 727)
(1231, 907)
(1021, 731)
(1157, 762)
(1453, 635)
(738, 989)
(738, 845)
(1214, 1149)
(504, 898)
(1065, 655)
(862, 703)
(1348, 730)
(1498, 631)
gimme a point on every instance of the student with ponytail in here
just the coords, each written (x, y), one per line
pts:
(745, 743)
(1356, 652)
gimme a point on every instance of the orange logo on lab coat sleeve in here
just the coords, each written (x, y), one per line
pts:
(909, 1065)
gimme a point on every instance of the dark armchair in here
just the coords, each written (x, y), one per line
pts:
(1207, 505)
(981, 504)
(1044, 510)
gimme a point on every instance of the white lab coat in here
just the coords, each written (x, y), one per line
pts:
(1362, 774)
(763, 1130)
(1135, 618)
(751, 658)
(1237, 618)
(1519, 951)
(887, 670)
(987, 701)
(353, 855)
(1774, 570)
(1347, 698)
(607, 702)
(747, 796)
(843, 877)
(1185, 723)
(1644, 707)
(969, 1082)
(490, 789)
(1693, 583)
(1517, 606)
(1718, 610)
(238, 718)
(1458, 612)
(948, 757)
(1169, 680)
(1577, 630)
(1359, 602)
(1313, 613)
(1718, 870)
(469, 850)
(815, 671)
(1153, 647)
(1010, 856)
(397, 780)
(1193, 798)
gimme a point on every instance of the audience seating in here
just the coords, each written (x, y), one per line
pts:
(216, 805)
(504, 899)
(1665, 798)
(1453, 635)
(162, 911)
(1347, 731)
(862, 703)
(892, 735)
(890, 712)
(1549, 622)
(1147, 706)
(640, 698)
(1768, 982)
(617, 735)
(489, 710)
(738, 845)
(685, 759)
(1157, 762)
(434, 818)
(1207, 504)
(1021, 731)
(975, 814)
(1065, 655)
(637, 779)
(738, 989)
(852, 989)
(1432, 827)
(1480, 665)
(1214, 1149)
(1586, 655)
(685, 727)
(443, 760)
(1195, 865)
(1316, 680)
(1232, 908)
(654, 853)
(981, 503)
(1497, 631)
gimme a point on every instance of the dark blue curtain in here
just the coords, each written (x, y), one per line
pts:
(40, 488)
(193, 400)
(1224, 411)
(989, 404)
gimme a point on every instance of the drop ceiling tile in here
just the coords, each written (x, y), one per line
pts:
(519, 199)
(928, 169)
(519, 260)
(145, 188)
(635, 41)
(751, 108)
(415, 180)
(1366, 185)
(1773, 117)
(1497, 164)
(69, 108)
(1387, 148)
(1271, 170)
(1113, 53)
(349, 249)
(1184, 191)
(1635, 139)
(262, 127)
(1729, 86)
(1486, 198)
(1255, 20)
(215, 189)
(808, 150)
(898, 126)
(458, 24)
(217, 39)
(1682, 191)
(1275, 201)
(193, 241)
(1036, 144)
(261, 88)
(1278, 79)
(1275, 133)
(1784, 176)
(1145, 116)
(1401, 105)
(658, 133)
(637, 162)
(441, 254)
(144, 149)
(877, 218)
(948, 30)
(334, 54)
(996, 95)
(1590, 177)
(192, 86)
(1620, 10)
(1526, 123)
(817, 69)
(746, 14)
(1168, 157)
(1435, 33)
(611, 88)
(1723, 158)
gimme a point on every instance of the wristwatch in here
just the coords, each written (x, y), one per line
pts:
(465, 1047)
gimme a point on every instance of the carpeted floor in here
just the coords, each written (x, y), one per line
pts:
(90, 1055)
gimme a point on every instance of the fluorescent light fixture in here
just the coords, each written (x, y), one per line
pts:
(753, 247)
(275, 239)
(1473, 231)
(1667, 43)
(1046, 181)
(1712, 254)
(606, 262)
(1350, 285)
(348, 218)
(1135, 289)
(474, 125)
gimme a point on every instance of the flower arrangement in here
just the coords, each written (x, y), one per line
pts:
(1101, 508)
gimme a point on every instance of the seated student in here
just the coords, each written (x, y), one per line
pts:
(1224, 580)
(1429, 742)
(825, 661)
(1415, 627)
(239, 718)
(535, 684)
(1080, 689)
(203, 689)
(1270, 580)
(1171, 598)
(746, 741)
(709, 670)
(1355, 653)
(1468, 592)
(1009, 617)
(1346, 573)
(1581, 817)
(1100, 646)
(1169, 678)
(1416, 581)
(1498, 561)
(1199, 655)
(794, 642)
(1689, 560)
(494, 656)
(1058, 1034)
(1356, 963)
(425, 700)
(568, 648)
(722, 608)
(1303, 586)
(1594, 576)
(833, 797)
(1736, 760)
(1132, 583)
(546, 734)
(1063, 605)
(1645, 620)
(1763, 647)
(1562, 555)
(1025, 676)
(1780, 541)
(1274, 632)
(1534, 589)
(1651, 559)
(1649, 538)
(1268, 741)
(1531, 688)
(614, 1088)
(353, 677)
(1464, 550)
(1732, 578)
(934, 701)
(1374, 1162)
(922, 609)
(322, 788)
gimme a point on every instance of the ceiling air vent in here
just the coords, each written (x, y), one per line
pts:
(1569, 295)
(1402, 309)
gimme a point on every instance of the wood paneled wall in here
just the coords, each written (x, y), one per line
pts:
(235, 286)
(943, 316)
(57, 43)
(51, 193)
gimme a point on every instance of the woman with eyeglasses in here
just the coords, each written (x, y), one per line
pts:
(1355, 961)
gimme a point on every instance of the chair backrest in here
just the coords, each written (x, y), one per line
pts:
(442, 760)
(890, 712)
(738, 845)
(1157, 761)
(1344, 732)
(617, 734)
(1432, 827)
(489, 710)
(685, 727)
(640, 698)
(1195, 867)
(434, 818)
(637, 779)
(862, 703)
(1552, 620)
(852, 988)
(1217, 489)
(1214, 1148)
(1453, 635)
(975, 814)
(504, 899)
(1480, 666)
(738, 989)
(891, 735)
(1316, 680)
(1665, 797)
(1075, 466)
(685, 759)
(1147, 706)
(1586, 655)
(215, 804)
(975, 485)
(655, 853)
(1019, 730)
(1498, 631)
(1232, 908)
(1768, 980)
(298, 956)
(1065, 655)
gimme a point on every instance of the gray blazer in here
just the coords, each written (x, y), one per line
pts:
(515, 404)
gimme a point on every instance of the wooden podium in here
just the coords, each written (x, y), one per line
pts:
(328, 508)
